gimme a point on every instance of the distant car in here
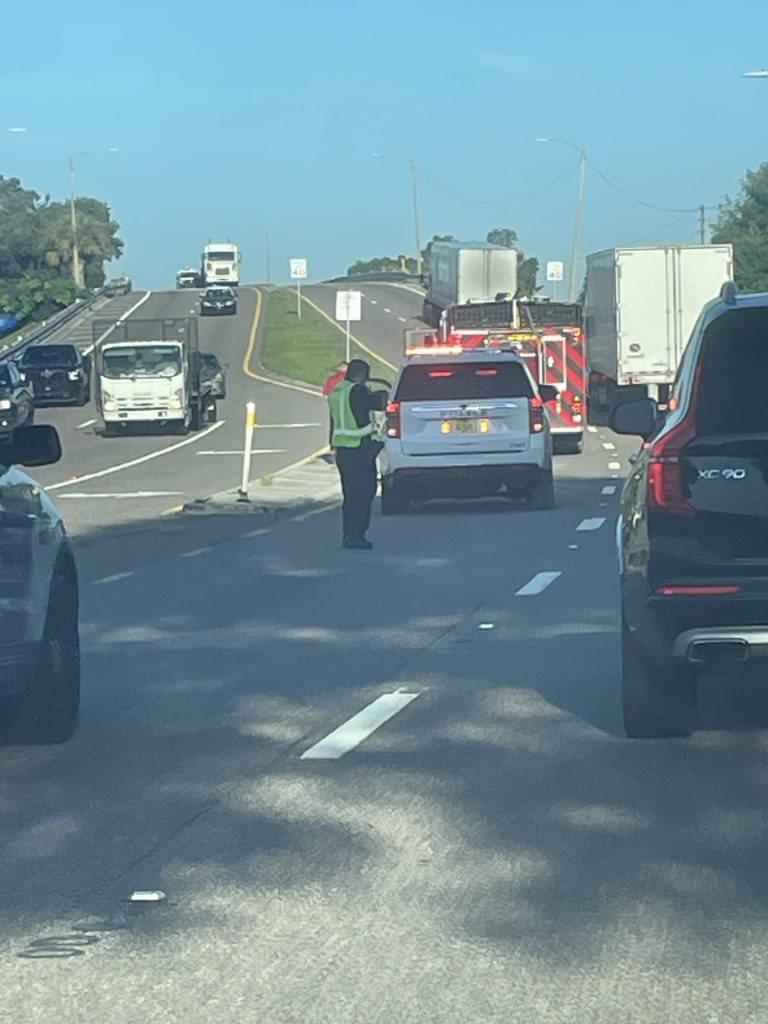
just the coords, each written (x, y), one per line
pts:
(467, 424)
(212, 372)
(8, 322)
(188, 277)
(218, 300)
(693, 529)
(58, 372)
(118, 286)
(39, 642)
(17, 404)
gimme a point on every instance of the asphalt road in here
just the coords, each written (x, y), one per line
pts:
(494, 852)
(115, 480)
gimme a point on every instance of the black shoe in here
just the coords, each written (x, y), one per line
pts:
(357, 545)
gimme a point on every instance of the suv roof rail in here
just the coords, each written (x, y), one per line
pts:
(728, 293)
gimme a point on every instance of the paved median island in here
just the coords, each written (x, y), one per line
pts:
(306, 349)
(311, 484)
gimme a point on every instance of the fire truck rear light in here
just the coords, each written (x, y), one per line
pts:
(703, 590)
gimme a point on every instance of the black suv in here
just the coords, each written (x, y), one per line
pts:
(693, 530)
(118, 286)
(17, 405)
(58, 372)
(218, 300)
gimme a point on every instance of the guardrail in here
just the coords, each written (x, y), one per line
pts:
(47, 327)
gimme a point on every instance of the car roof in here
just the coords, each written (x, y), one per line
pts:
(472, 355)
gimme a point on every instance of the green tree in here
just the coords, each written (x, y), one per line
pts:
(36, 249)
(527, 267)
(744, 223)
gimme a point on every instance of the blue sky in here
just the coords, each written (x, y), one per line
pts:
(230, 119)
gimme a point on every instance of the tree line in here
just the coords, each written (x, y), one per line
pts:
(527, 267)
(36, 249)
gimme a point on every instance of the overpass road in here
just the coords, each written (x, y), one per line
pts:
(373, 786)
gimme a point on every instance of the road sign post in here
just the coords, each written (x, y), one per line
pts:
(555, 274)
(299, 274)
(349, 309)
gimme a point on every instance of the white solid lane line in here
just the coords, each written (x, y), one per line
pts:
(610, 489)
(239, 451)
(119, 320)
(359, 727)
(123, 494)
(82, 426)
(137, 462)
(591, 524)
(614, 465)
(609, 447)
(285, 426)
(111, 579)
(539, 583)
(195, 552)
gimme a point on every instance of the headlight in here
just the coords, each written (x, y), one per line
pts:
(5, 403)
(74, 375)
(109, 405)
(176, 400)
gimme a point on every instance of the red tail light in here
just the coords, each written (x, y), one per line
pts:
(666, 485)
(701, 590)
(535, 415)
(393, 419)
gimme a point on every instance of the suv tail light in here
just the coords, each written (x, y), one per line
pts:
(393, 419)
(666, 486)
(535, 415)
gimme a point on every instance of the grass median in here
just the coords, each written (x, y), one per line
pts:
(306, 349)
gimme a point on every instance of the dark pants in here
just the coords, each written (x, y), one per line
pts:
(357, 469)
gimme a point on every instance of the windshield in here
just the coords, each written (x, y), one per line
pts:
(228, 257)
(463, 381)
(50, 355)
(210, 362)
(144, 361)
(219, 293)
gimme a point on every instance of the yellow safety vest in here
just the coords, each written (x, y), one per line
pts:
(346, 433)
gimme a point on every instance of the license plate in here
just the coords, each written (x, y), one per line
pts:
(465, 426)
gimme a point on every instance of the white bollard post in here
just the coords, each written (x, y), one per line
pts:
(250, 423)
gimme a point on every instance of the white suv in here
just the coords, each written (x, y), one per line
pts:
(466, 424)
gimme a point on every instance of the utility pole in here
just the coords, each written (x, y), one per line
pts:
(77, 273)
(573, 289)
(416, 231)
(703, 224)
(268, 256)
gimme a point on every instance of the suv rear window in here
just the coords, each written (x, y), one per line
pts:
(734, 375)
(457, 381)
(50, 355)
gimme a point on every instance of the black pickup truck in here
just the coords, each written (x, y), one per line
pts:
(58, 372)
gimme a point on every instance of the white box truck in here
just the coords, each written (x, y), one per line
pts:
(464, 272)
(641, 305)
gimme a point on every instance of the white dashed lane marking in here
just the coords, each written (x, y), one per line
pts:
(539, 583)
(610, 489)
(82, 426)
(195, 552)
(614, 465)
(387, 309)
(592, 430)
(401, 319)
(358, 728)
(609, 447)
(591, 524)
(111, 579)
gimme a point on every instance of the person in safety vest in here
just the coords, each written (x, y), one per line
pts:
(355, 438)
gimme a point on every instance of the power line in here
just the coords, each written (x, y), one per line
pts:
(500, 202)
(642, 202)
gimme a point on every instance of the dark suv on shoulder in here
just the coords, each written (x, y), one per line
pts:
(58, 372)
(693, 529)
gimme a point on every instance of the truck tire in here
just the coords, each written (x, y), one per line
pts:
(658, 698)
(541, 496)
(48, 711)
(394, 501)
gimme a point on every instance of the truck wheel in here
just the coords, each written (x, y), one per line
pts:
(394, 502)
(109, 430)
(658, 700)
(542, 495)
(48, 711)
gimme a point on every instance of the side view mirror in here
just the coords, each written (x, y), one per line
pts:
(637, 418)
(32, 446)
(548, 392)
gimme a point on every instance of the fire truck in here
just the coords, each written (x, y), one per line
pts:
(549, 336)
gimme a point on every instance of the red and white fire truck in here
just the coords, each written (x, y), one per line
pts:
(548, 335)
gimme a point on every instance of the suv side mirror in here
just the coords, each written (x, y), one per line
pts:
(548, 392)
(32, 446)
(638, 418)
